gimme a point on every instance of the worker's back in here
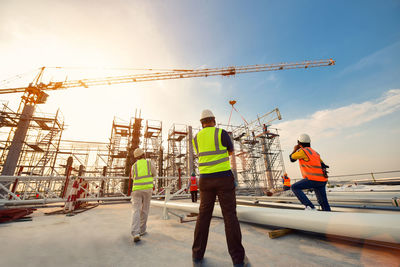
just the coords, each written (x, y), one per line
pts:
(213, 155)
(213, 146)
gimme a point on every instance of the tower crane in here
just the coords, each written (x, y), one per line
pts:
(35, 94)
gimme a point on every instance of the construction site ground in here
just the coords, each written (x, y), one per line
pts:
(101, 237)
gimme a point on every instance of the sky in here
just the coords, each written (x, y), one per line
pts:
(350, 110)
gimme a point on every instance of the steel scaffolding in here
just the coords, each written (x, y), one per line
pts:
(258, 149)
(41, 145)
(152, 143)
(178, 152)
(257, 162)
(92, 156)
(121, 133)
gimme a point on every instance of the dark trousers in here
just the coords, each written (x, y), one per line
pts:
(224, 188)
(285, 188)
(194, 195)
(319, 189)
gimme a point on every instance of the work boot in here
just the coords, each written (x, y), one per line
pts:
(245, 263)
(136, 238)
(197, 262)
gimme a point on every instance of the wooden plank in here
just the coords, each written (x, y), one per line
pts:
(279, 232)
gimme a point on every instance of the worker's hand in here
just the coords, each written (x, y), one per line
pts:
(296, 147)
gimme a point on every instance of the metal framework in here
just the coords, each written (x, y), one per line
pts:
(26, 190)
(89, 158)
(152, 145)
(257, 148)
(41, 145)
(121, 133)
(259, 163)
(177, 156)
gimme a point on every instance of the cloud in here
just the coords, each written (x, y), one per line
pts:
(339, 136)
(331, 122)
(378, 57)
(355, 135)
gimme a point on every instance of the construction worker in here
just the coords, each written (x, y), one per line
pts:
(213, 146)
(314, 173)
(142, 173)
(193, 187)
(286, 182)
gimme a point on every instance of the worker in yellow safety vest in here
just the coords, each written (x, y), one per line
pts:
(142, 173)
(286, 182)
(314, 173)
(213, 147)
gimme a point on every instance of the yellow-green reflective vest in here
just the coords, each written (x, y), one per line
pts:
(213, 156)
(141, 175)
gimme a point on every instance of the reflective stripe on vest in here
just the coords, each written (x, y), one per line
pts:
(142, 176)
(286, 181)
(213, 156)
(193, 184)
(312, 169)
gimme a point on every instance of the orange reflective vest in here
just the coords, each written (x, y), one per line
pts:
(193, 183)
(286, 181)
(312, 169)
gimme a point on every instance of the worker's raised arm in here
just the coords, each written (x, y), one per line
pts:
(298, 154)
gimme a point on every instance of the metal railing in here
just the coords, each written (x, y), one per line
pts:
(27, 190)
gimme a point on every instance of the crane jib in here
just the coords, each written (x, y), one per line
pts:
(167, 75)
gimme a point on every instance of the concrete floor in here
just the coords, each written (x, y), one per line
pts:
(101, 237)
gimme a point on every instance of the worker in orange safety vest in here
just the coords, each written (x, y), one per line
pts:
(193, 187)
(286, 182)
(314, 173)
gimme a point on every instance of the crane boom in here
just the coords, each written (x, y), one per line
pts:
(173, 74)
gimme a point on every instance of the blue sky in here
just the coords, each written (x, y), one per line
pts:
(355, 95)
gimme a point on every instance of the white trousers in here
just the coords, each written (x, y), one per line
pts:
(140, 210)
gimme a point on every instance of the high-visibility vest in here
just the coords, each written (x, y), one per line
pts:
(141, 175)
(213, 156)
(193, 183)
(286, 181)
(312, 169)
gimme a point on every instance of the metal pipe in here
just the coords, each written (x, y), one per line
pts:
(336, 207)
(381, 199)
(366, 226)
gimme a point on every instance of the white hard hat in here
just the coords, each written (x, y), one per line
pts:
(206, 114)
(304, 138)
(138, 152)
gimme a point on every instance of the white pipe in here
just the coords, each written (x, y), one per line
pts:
(366, 226)
(383, 201)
